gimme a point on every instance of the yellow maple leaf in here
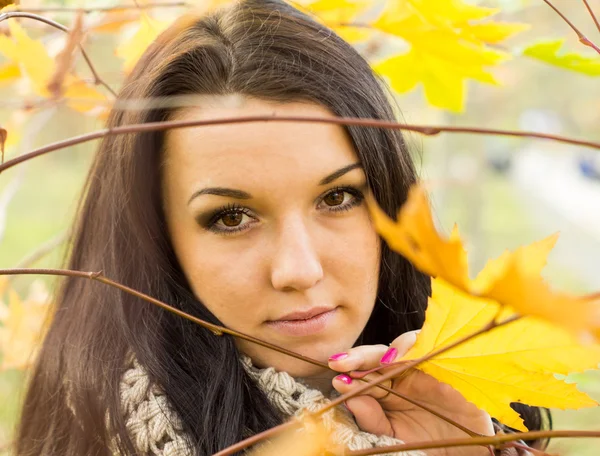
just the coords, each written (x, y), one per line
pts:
(340, 15)
(132, 49)
(34, 62)
(9, 72)
(23, 326)
(513, 279)
(446, 48)
(336, 12)
(512, 363)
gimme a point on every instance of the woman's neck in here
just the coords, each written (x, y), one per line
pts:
(321, 381)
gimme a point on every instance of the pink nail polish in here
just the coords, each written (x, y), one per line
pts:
(344, 378)
(389, 356)
(338, 356)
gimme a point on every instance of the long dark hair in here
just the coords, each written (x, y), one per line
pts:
(259, 48)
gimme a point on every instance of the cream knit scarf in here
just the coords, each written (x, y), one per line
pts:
(156, 430)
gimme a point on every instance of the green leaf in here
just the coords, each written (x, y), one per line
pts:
(550, 52)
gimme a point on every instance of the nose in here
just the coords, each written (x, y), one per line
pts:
(296, 264)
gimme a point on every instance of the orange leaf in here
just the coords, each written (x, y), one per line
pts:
(416, 238)
(513, 279)
(23, 326)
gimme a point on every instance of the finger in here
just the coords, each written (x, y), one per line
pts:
(363, 357)
(400, 346)
(369, 415)
(343, 384)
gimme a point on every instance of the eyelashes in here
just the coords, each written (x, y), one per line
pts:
(237, 212)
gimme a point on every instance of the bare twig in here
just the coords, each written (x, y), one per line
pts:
(58, 9)
(216, 329)
(159, 126)
(97, 79)
(496, 440)
(594, 18)
(395, 371)
(582, 38)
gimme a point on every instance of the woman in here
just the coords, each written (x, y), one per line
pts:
(260, 227)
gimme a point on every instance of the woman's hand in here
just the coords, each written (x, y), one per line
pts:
(378, 412)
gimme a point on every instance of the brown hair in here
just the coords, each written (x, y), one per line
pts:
(260, 48)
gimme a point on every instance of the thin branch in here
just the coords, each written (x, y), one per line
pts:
(159, 126)
(496, 440)
(58, 9)
(216, 329)
(393, 373)
(582, 38)
(594, 18)
(97, 79)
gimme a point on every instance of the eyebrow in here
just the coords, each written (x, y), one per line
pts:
(240, 194)
(339, 173)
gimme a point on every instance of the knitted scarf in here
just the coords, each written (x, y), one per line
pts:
(156, 430)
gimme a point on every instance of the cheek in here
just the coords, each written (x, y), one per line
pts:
(225, 280)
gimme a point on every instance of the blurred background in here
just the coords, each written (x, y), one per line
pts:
(502, 192)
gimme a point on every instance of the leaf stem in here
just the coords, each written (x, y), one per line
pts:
(97, 79)
(582, 38)
(594, 18)
(428, 130)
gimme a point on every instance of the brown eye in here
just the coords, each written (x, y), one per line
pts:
(334, 198)
(232, 218)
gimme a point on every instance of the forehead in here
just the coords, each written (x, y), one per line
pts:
(277, 150)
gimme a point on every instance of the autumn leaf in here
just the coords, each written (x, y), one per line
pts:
(132, 49)
(446, 49)
(336, 12)
(38, 66)
(313, 438)
(9, 73)
(550, 52)
(513, 279)
(23, 326)
(516, 362)
(416, 238)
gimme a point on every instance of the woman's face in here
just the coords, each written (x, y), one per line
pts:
(270, 228)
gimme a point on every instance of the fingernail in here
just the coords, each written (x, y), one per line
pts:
(344, 378)
(389, 356)
(338, 356)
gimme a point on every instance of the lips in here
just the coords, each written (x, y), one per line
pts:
(305, 323)
(304, 315)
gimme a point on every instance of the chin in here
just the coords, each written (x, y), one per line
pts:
(263, 358)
